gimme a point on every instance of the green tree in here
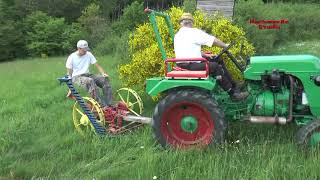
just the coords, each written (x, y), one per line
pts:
(69, 9)
(46, 35)
(89, 19)
(12, 41)
(133, 15)
(189, 5)
(94, 24)
(74, 32)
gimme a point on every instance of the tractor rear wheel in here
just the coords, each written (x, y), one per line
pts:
(188, 118)
(308, 136)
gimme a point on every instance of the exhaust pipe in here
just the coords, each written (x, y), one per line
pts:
(268, 119)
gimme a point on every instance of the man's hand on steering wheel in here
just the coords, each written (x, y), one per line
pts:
(225, 50)
(209, 56)
(229, 54)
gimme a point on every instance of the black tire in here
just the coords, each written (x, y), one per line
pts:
(304, 134)
(179, 102)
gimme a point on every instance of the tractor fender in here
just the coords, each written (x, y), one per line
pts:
(154, 86)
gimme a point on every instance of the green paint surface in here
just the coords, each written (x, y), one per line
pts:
(299, 66)
(158, 84)
(189, 124)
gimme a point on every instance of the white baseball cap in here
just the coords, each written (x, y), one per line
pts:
(83, 44)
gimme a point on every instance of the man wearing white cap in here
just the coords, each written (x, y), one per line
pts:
(78, 64)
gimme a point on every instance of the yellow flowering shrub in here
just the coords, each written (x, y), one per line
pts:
(146, 57)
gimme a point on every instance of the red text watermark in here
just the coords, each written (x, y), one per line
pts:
(268, 24)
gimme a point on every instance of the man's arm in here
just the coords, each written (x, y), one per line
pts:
(69, 66)
(219, 43)
(69, 72)
(100, 69)
(204, 38)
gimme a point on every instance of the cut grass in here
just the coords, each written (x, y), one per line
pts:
(38, 140)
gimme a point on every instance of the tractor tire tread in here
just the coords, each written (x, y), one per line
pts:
(305, 132)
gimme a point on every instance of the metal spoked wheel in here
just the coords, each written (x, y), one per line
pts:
(81, 120)
(188, 118)
(308, 136)
(131, 99)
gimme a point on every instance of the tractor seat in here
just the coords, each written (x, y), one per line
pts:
(177, 68)
(187, 74)
(180, 73)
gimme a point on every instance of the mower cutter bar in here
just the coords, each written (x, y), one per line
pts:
(100, 130)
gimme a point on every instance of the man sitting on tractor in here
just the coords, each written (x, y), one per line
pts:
(187, 44)
(78, 64)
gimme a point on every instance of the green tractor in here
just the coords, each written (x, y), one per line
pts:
(194, 110)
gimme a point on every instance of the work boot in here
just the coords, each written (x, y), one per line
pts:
(239, 96)
(239, 86)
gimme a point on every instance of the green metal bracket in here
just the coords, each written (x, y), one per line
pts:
(152, 17)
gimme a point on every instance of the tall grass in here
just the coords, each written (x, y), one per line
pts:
(38, 140)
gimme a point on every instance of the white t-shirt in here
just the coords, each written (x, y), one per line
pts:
(188, 41)
(80, 64)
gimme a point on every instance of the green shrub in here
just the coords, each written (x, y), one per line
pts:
(122, 49)
(11, 40)
(133, 15)
(146, 58)
(74, 32)
(44, 34)
(47, 36)
(303, 23)
(107, 45)
(116, 40)
(116, 45)
(189, 6)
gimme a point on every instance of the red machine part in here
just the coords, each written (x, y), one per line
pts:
(114, 117)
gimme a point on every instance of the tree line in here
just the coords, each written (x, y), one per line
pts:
(52, 27)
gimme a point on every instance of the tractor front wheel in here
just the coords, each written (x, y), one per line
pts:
(188, 118)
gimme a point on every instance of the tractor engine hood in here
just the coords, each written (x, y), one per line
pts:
(292, 64)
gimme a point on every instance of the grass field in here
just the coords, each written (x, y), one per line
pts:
(38, 140)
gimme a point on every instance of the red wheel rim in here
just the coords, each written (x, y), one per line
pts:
(177, 137)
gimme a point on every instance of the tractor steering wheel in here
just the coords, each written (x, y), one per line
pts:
(233, 59)
(224, 50)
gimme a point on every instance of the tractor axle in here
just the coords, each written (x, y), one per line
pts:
(138, 119)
